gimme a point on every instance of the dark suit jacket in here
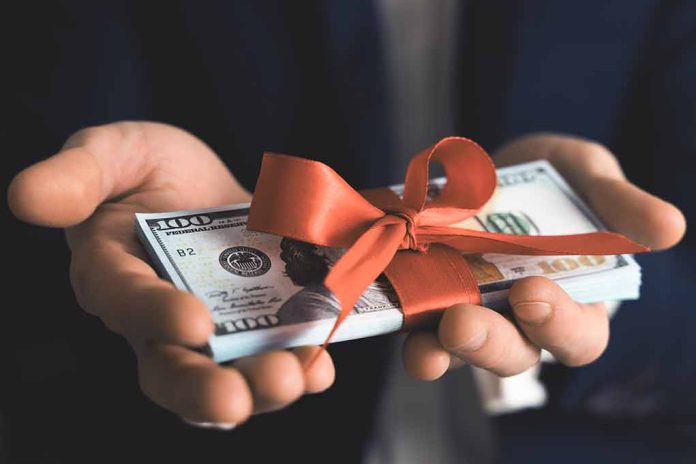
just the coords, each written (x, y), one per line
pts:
(307, 78)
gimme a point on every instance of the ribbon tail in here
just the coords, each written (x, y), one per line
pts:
(361, 265)
(593, 243)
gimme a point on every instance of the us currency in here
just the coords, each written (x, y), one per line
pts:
(265, 292)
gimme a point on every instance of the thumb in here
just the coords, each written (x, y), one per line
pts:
(95, 164)
(596, 174)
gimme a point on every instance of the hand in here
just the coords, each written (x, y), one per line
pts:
(93, 187)
(547, 317)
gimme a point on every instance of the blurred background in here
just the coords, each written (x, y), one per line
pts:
(361, 85)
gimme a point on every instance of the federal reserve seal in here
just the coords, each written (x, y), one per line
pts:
(245, 261)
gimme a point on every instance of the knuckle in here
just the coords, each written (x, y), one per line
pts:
(127, 134)
(559, 337)
(527, 362)
(133, 134)
(574, 351)
(275, 378)
(518, 362)
(92, 135)
(230, 399)
(494, 357)
(529, 287)
(586, 155)
(597, 151)
(597, 156)
(288, 384)
(461, 331)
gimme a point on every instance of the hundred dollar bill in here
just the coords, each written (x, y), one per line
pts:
(265, 292)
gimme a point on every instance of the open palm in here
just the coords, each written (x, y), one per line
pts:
(93, 187)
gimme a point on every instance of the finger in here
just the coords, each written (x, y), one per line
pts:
(113, 281)
(276, 379)
(596, 174)
(193, 386)
(321, 374)
(576, 158)
(575, 334)
(126, 293)
(157, 166)
(424, 358)
(634, 212)
(484, 338)
(96, 163)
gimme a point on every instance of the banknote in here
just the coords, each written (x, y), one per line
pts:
(265, 292)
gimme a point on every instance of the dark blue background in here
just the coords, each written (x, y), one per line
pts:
(307, 78)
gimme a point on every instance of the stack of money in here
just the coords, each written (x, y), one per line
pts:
(265, 292)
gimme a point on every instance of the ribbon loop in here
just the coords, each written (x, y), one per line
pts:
(470, 174)
(308, 201)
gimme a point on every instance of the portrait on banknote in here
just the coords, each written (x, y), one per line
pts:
(306, 265)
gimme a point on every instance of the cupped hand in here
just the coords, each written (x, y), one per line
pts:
(92, 188)
(547, 318)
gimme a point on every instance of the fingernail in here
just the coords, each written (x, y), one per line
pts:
(211, 425)
(533, 312)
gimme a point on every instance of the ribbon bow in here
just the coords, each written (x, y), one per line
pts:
(408, 238)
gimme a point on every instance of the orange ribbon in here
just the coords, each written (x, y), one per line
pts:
(410, 239)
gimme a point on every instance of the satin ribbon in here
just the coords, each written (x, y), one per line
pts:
(410, 239)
